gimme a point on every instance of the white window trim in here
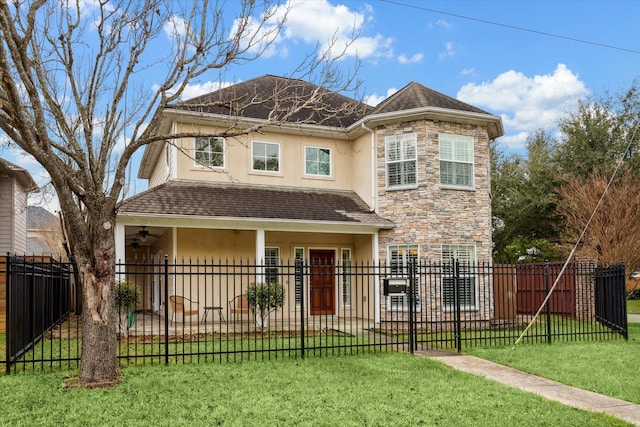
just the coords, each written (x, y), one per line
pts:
(317, 175)
(261, 171)
(297, 302)
(387, 162)
(344, 291)
(476, 302)
(471, 139)
(224, 153)
(265, 262)
(405, 304)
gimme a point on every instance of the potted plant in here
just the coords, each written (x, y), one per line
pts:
(263, 298)
(127, 297)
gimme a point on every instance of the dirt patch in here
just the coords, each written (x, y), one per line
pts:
(74, 382)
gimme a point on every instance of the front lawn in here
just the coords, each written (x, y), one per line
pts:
(378, 389)
(633, 305)
(608, 367)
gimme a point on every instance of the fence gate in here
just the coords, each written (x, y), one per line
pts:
(610, 290)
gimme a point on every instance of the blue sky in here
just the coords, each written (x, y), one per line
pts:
(527, 61)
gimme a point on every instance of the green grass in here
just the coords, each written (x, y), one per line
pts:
(383, 389)
(609, 367)
(633, 305)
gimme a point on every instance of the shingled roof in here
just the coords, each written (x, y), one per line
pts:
(258, 98)
(204, 199)
(22, 175)
(414, 95)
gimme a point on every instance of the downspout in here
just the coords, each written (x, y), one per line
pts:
(376, 280)
(373, 167)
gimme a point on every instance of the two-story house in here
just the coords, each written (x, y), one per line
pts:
(15, 185)
(337, 183)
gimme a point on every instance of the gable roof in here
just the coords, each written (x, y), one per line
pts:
(40, 218)
(414, 95)
(235, 201)
(256, 98)
(21, 175)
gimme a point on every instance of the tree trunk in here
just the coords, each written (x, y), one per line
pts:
(98, 362)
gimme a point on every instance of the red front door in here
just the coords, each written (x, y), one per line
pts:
(322, 281)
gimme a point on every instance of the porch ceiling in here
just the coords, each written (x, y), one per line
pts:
(220, 200)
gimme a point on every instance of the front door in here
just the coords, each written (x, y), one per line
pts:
(322, 281)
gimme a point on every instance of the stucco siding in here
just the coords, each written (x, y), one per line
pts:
(238, 161)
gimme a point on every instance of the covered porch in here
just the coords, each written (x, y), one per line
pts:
(224, 239)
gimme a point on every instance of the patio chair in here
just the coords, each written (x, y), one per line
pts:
(239, 305)
(183, 305)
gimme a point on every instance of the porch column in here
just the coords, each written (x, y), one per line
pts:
(260, 255)
(119, 234)
(376, 279)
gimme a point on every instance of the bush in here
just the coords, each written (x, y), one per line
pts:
(268, 296)
(127, 295)
(634, 294)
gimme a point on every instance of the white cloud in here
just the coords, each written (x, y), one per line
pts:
(175, 27)
(527, 103)
(442, 24)
(376, 99)
(403, 59)
(197, 89)
(333, 28)
(449, 52)
(468, 71)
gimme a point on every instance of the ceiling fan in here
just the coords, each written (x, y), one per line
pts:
(141, 237)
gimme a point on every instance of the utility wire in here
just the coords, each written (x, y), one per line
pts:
(512, 27)
(584, 230)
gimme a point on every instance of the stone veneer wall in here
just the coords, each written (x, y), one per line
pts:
(429, 215)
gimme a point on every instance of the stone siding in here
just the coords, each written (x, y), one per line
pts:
(431, 215)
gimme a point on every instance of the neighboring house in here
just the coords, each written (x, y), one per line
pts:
(407, 179)
(44, 236)
(15, 185)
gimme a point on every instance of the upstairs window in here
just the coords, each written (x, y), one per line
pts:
(317, 161)
(400, 157)
(210, 151)
(265, 156)
(456, 160)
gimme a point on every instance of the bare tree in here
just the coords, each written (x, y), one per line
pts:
(613, 234)
(72, 80)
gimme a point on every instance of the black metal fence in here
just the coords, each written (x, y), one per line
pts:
(199, 311)
(38, 297)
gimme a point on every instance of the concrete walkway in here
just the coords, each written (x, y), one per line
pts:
(551, 390)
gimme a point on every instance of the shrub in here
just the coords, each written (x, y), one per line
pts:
(127, 295)
(268, 296)
(633, 294)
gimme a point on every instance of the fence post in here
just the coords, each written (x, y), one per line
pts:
(8, 315)
(166, 309)
(412, 325)
(456, 287)
(298, 280)
(548, 307)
